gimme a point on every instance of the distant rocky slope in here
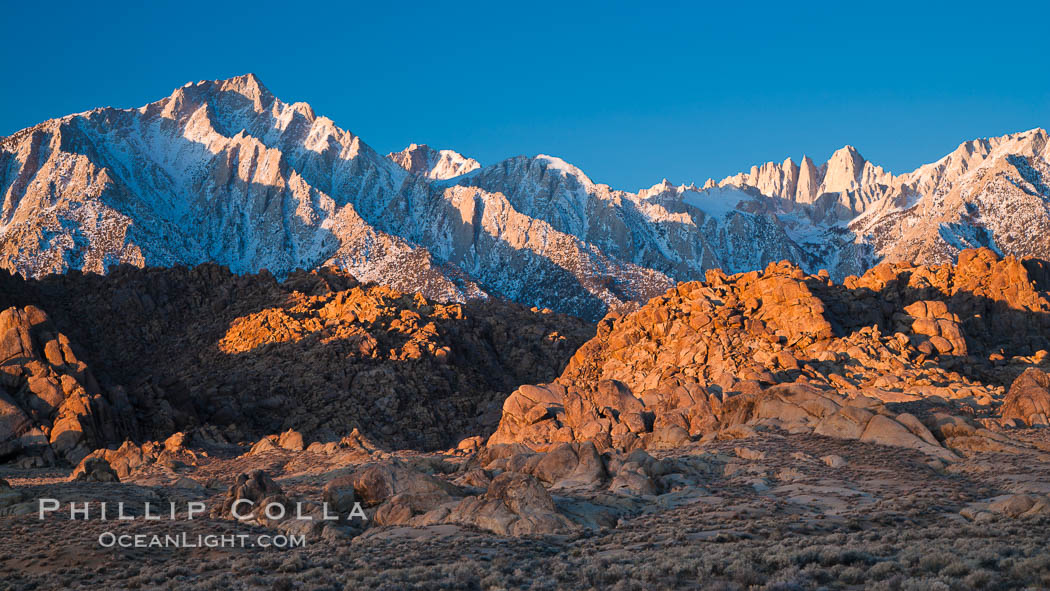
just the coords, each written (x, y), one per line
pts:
(89, 361)
(224, 172)
(780, 347)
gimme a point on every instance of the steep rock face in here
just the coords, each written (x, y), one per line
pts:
(50, 404)
(321, 353)
(517, 256)
(678, 231)
(433, 164)
(847, 181)
(986, 193)
(708, 355)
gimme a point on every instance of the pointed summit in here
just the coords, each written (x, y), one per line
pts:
(808, 186)
(843, 170)
(846, 153)
(249, 82)
(248, 86)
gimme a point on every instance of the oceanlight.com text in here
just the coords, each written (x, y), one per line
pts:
(185, 540)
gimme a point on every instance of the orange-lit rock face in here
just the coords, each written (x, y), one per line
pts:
(1028, 400)
(50, 403)
(376, 321)
(693, 357)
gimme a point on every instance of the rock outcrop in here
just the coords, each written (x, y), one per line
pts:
(51, 406)
(1028, 400)
(399, 493)
(514, 504)
(795, 351)
(93, 469)
(129, 457)
(511, 503)
(248, 497)
(846, 182)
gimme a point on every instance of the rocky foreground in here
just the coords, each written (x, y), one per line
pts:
(770, 429)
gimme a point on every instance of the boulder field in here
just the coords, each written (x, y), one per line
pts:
(890, 357)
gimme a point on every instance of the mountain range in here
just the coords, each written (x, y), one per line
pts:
(225, 172)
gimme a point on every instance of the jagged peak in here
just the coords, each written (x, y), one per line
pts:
(1033, 133)
(418, 149)
(415, 148)
(845, 153)
(979, 153)
(434, 164)
(662, 187)
(303, 109)
(1035, 138)
(247, 84)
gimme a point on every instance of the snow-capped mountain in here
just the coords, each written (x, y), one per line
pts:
(223, 171)
(846, 184)
(219, 171)
(988, 192)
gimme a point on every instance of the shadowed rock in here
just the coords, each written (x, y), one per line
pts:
(514, 504)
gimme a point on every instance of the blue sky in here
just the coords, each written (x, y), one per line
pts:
(630, 92)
